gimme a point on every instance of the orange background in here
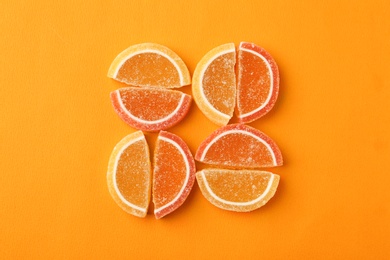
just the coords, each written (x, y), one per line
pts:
(331, 121)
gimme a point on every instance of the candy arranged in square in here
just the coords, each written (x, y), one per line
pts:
(236, 152)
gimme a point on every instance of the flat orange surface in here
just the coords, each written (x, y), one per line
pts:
(331, 121)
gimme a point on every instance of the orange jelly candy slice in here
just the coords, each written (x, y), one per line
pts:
(239, 146)
(150, 109)
(129, 174)
(173, 174)
(257, 82)
(150, 65)
(237, 190)
(214, 84)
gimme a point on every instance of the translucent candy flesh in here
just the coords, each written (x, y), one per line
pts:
(149, 69)
(253, 82)
(173, 174)
(150, 104)
(237, 190)
(133, 174)
(129, 174)
(239, 146)
(169, 173)
(150, 109)
(219, 84)
(237, 186)
(213, 84)
(257, 82)
(238, 150)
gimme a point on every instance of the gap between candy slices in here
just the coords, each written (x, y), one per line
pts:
(169, 107)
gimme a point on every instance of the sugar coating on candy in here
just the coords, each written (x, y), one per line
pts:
(239, 150)
(254, 81)
(238, 186)
(129, 174)
(150, 109)
(150, 104)
(257, 82)
(219, 84)
(239, 146)
(149, 65)
(214, 84)
(173, 173)
(132, 174)
(237, 190)
(149, 70)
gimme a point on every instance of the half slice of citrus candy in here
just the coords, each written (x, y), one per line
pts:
(150, 65)
(173, 174)
(239, 146)
(214, 84)
(150, 109)
(237, 190)
(129, 174)
(257, 82)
